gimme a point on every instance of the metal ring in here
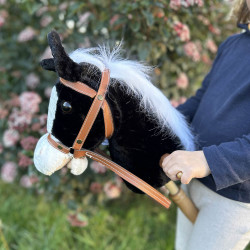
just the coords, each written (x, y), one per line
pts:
(179, 175)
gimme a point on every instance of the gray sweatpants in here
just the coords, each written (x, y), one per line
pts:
(222, 224)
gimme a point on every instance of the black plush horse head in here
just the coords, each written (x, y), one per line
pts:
(145, 124)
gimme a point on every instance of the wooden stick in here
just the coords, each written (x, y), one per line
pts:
(177, 194)
(182, 201)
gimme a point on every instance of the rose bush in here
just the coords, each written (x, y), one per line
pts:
(180, 37)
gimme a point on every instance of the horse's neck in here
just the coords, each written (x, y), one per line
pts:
(137, 145)
(135, 130)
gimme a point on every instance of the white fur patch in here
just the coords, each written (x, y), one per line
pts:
(48, 159)
(136, 77)
(78, 166)
(52, 109)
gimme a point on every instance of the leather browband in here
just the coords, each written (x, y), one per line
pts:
(77, 151)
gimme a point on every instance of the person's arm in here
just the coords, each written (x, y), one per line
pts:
(229, 162)
(188, 109)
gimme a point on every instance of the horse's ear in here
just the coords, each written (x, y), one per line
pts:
(48, 64)
(64, 65)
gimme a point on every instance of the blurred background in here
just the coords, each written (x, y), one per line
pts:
(92, 211)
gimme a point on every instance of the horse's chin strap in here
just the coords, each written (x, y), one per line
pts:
(76, 150)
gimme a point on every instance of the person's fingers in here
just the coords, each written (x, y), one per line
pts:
(186, 176)
(171, 171)
(162, 159)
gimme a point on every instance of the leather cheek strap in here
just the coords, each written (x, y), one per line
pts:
(86, 90)
(93, 111)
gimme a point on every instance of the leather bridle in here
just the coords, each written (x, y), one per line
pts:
(77, 151)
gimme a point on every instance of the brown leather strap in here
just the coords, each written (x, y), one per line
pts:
(94, 109)
(108, 120)
(86, 90)
(79, 87)
(123, 173)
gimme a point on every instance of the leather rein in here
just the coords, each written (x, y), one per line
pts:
(77, 151)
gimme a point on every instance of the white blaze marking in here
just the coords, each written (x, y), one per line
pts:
(52, 109)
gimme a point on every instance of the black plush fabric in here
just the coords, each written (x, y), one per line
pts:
(136, 144)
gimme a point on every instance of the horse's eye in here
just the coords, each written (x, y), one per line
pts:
(66, 107)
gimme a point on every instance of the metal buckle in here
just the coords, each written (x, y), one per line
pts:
(71, 152)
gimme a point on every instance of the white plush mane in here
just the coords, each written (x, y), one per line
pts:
(135, 76)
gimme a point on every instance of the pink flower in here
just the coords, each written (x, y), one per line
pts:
(111, 190)
(24, 161)
(10, 137)
(9, 171)
(182, 31)
(26, 35)
(3, 113)
(42, 10)
(175, 4)
(211, 45)
(32, 80)
(83, 19)
(188, 3)
(63, 6)
(98, 167)
(199, 2)
(95, 187)
(2, 21)
(3, 16)
(204, 20)
(14, 101)
(206, 59)
(182, 81)
(29, 143)
(47, 92)
(214, 30)
(2, 2)
(43, 119)
(36, 126)
(45, 21)
(77, 220)
(191, 50)
(29, 102)
(19, 120)
(114, 19)
(28, 181)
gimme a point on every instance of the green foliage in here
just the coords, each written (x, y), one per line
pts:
(33, 222)
(146, 27)
(152, 32)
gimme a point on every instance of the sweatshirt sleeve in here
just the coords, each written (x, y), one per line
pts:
(188, 109)
(229, 162)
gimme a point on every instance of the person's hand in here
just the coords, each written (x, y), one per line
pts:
(192, 164)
